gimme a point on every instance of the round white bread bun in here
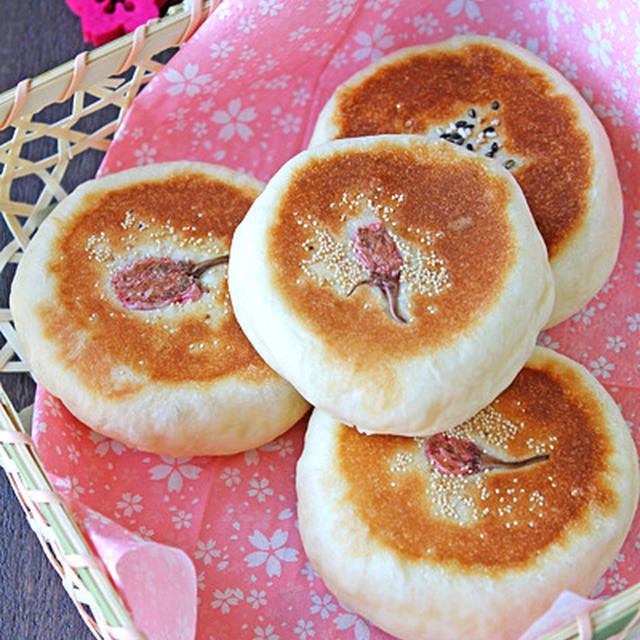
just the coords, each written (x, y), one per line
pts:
(399, 284)
(430, 555)
(505, 102)
(116, 321)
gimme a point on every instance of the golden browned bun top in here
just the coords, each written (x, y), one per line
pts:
(178, 217)
(499, 518)
(535, 128)
(444, 211)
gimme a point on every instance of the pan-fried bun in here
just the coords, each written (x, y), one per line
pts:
(505, 102)
(399, 284)
(430, 555)
(120, 319)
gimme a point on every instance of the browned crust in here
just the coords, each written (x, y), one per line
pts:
(413, 94)
(548, 501)
(441, 192)
(94, 332)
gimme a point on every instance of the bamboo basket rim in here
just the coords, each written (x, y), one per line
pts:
(83, 575)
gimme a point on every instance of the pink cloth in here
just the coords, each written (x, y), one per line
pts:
(566, 608)
(244, 92)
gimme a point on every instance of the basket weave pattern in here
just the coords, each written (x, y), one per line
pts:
(94, 92)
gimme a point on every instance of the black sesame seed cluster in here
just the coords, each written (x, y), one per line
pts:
(475, 134)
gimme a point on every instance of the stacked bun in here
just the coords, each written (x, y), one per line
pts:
(455, 200)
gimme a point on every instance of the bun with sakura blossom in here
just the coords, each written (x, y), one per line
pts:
(503, 102)
(472, 533)
(122, 306)
(399, 284)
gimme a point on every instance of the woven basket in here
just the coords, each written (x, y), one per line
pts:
(102, 84)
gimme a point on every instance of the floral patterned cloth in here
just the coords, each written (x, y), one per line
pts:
(244, 92)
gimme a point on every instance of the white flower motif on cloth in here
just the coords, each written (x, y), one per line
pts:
(259, 489)
(257, 598)
(633, 322)
(53, 407)
(246, 24)
(104, 444)
(470, 7)
(199, 129)
(323, 605)
(206, 551)
(174, 469)
(129, 504)
(271, 552)
(270, 7)
(72, 453)
(425, 24)
(145, 533)
(234, 120)
(145, 154)
(266, 633)
(309, 572)
(599, 47)
(230, 476)
(373, 46)
(352, 621)
(586, 315)
(340, 9)
(568, 67)
(181, 519)
(600, 368)
(221, 49)
(226, 599)
(304, 629)
(545, 340)
(300, 97)
(70, 485)
(283, 445)
(189, 81)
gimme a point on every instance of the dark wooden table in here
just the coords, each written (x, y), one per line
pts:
(35, 36)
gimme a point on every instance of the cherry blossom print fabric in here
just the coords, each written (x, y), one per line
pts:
(244, 92)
